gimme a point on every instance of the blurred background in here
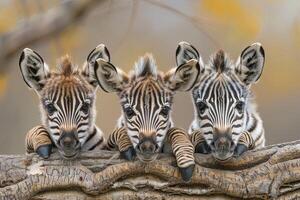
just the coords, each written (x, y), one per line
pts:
(130, 28)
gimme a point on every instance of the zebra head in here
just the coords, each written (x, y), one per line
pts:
(146, 98)
(67, 98)
(222, 97)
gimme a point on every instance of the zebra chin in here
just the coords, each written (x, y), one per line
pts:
(147, 157)
(223, 151)
(68, 144)
(222, 145)
(222, 155)
(69, 153)
(147, 149)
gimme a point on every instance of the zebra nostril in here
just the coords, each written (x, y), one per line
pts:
(138, 147)
(232, 144)
(68, 140)
(156, 147)
(77, 144)
(147, 147)
(222, 144)
(212, 144)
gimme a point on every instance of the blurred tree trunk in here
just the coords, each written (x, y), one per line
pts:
(42, 26)
(271, 172)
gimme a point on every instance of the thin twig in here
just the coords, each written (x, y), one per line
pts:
(194, 20)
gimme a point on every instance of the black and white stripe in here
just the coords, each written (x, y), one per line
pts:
(146, 97)
(226, 121)
(67, 102)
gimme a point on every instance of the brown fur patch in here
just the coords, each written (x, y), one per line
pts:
(66, 67)
(146, 66)
(219, 61)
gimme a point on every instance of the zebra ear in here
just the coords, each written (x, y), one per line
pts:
(186, 52)
(184, 77)
(250, 64)
(110, 78)
(99, 52)
(33, 69)
(89, 67)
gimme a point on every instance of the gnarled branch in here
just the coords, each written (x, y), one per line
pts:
(271, 172)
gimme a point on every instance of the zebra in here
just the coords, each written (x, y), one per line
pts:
(226, 122)
(145, 127)
(67, 104)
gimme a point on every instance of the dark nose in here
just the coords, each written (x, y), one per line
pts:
(68, 139)
(222, 140)
(147, 145)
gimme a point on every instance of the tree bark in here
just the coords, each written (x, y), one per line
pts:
(269, 173)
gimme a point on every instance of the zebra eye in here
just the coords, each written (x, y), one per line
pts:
(50, 108)
(201, 107)
(129, 112)
(85, 108)
(240, 106)
(165, 111)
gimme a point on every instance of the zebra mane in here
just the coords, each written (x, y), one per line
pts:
(145, 66)
(220, 62)
(66, 66)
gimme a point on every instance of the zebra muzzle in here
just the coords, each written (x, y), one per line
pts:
(68, 144)
(147, 150)
(222, 147)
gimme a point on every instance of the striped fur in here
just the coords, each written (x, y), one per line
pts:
(67, 104)
(226, 122)
(36, 137)
(119, 139)
(146, 97)
(182, 148)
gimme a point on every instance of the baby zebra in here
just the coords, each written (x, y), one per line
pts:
(146, 97)
(67, 104)
(226, 122)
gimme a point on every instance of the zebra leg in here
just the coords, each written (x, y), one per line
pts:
(183, 150)
(199, 143)
(119, 139)
(245, 142)
(38, 140)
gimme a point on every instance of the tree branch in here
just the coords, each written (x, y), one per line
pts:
(41, 26)
(195, 21)
(273, 171)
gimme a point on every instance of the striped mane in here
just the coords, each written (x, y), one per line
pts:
(145, 66)
(66, 67)
(220, 62)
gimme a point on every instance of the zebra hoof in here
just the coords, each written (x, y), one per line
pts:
(187, 173)
(203, 148)
(129, 154)
(240, 149)
(44, 151)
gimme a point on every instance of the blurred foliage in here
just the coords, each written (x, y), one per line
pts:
(3, 84)
(233, 21)
(241, 21)
(8, 17)
(67, 41)
(13, 11)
